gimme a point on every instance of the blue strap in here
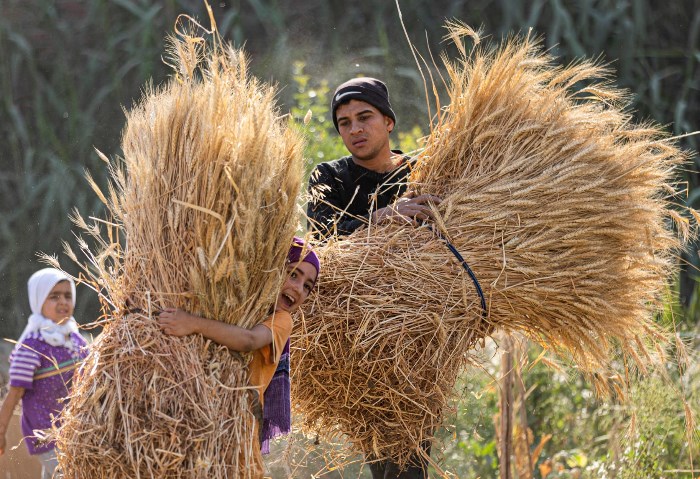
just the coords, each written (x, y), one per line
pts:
(466, 267)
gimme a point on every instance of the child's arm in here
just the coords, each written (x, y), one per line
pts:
(180, 323)
(8, 407)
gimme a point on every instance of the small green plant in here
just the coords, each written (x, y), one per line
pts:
(311, 111)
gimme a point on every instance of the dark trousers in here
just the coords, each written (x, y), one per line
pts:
(417, 467)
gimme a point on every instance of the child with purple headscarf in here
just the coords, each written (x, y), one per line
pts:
(269, 342)
(277, 404)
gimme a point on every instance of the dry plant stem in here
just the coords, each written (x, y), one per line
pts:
(202, 212)
(151, 406)
(560, 205)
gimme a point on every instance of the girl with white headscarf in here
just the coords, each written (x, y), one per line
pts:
(43, 362)
(39, 286)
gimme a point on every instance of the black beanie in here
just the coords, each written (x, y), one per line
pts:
(366, 89)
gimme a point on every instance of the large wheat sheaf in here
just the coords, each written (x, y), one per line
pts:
(202, 210)
(563, 209)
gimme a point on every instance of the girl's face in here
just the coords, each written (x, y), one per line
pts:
(58, 305)
(301, 278)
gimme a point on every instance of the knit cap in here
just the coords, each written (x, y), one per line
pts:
(365, 89)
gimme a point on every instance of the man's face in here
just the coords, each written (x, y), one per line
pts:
(364, 129)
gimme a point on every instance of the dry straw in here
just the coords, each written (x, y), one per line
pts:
(203, 209)
(561, 206)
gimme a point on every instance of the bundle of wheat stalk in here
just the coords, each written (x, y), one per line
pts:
(561, 207)
(205, 206)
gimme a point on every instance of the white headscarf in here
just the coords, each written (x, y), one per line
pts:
(39, 286)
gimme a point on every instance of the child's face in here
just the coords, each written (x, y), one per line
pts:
(58, 305)
(301, 278)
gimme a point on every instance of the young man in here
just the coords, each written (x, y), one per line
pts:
(365, 187)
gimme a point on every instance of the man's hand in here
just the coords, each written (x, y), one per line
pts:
(409, 208)
(177, 322)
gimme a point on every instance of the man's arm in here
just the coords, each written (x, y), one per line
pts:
(328, 200)
(409, 208)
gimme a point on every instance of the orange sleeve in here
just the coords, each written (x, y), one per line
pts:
(280, 324)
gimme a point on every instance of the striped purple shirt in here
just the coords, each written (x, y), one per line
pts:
(45, 372)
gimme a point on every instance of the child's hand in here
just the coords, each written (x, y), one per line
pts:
(177, 322)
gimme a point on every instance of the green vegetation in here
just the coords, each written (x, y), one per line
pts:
(68, 68)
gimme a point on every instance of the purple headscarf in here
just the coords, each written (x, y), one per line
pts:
(294, 255)
(277, 410)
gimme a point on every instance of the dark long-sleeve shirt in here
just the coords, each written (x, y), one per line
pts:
(345, 194)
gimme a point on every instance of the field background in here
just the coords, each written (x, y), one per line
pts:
(69, 67)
